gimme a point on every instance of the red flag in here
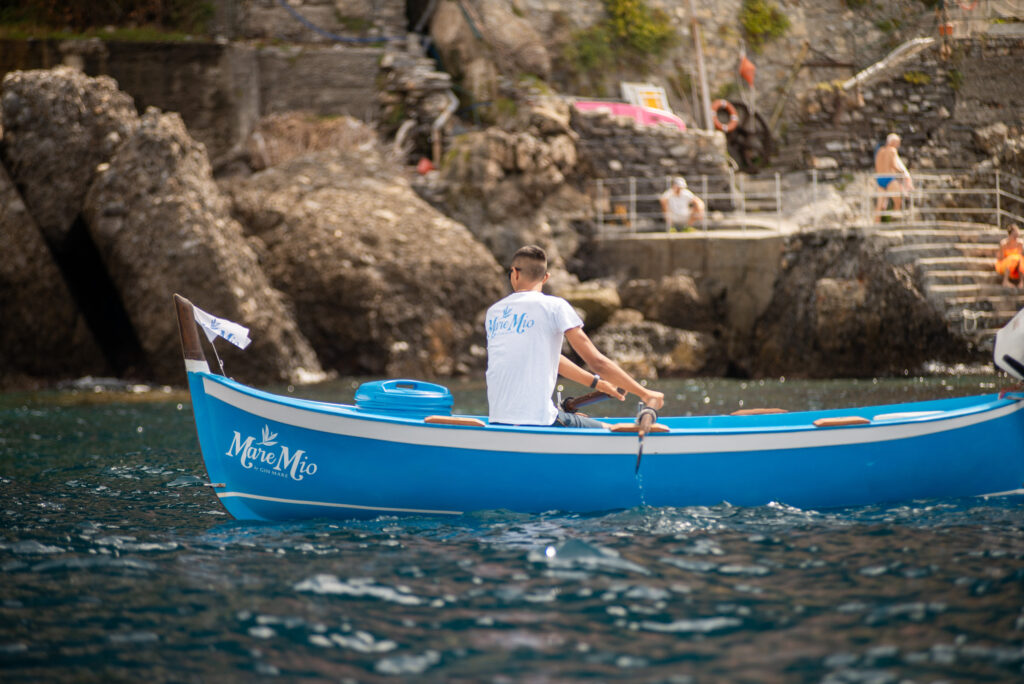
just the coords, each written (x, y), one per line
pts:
(747, 70)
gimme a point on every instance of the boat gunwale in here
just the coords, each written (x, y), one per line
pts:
(556, 439)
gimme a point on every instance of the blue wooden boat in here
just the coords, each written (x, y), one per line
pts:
(399, 451)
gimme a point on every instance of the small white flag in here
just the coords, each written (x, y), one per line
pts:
(234, 333)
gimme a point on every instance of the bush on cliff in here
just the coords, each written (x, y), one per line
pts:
(762, 21)
(631, 33)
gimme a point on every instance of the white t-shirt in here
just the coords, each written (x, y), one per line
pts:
(679, 205)
(524, 342)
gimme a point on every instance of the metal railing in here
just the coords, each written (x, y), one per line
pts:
(958, 195)
(976, 17)
(736, 201)
(632, 204)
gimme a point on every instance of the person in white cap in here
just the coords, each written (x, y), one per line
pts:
(680, 206)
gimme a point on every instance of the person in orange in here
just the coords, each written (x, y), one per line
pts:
(1008, 263)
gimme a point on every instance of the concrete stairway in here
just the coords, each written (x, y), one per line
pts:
(953, 265)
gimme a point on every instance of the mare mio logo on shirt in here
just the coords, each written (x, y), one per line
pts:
(508, 323)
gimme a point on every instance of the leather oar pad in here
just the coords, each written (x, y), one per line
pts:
(633, 427)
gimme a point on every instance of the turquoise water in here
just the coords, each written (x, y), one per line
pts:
(117, 564)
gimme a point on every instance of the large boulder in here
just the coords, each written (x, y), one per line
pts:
(511, 46)
(510, 186)
(598, 301)
(651, 350)
(162, 226)
(840, 309)
(58, 126)
(675, 300)
(382, 283)
(43, 334)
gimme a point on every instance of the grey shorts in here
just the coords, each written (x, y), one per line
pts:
(575, 420)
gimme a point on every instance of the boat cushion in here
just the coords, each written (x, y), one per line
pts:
(840, 421)
(455, 420)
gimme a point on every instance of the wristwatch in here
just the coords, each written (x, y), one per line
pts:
(597, 379)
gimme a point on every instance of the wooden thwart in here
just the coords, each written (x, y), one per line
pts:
(840, 421)
(454, 420)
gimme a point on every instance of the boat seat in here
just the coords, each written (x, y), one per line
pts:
(840, 421)
(454, 420)
(757, 411)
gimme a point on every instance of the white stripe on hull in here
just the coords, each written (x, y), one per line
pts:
(331, 420)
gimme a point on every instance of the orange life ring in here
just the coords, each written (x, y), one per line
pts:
(734, 120)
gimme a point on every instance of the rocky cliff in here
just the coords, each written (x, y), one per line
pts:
(340, 265)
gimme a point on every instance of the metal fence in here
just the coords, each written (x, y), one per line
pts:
(990, 198)
(736, 201)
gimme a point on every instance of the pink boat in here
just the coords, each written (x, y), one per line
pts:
(644, 115)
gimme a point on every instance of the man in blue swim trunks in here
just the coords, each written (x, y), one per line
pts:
(891, 175)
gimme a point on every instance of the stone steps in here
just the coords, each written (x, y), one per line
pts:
(954, 266)
(905, 254)
(915, 236)
(951, 277)
(1006, 303)
(980, 264)
(947, 290)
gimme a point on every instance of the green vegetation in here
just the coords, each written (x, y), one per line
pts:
(590, 50)
(890, 25)
(726, 91)
(637, 26)
(357, 25)
(501, 109)
(632, 33)
(829, 86)
(134, 19)
(535, 83)
(917, 77)
(762, 21)
(956, 79)
(395, 115)
(143, 34)
(681, 81)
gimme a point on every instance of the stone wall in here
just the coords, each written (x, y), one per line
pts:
(354, 20)
(738, 270)
(220, 89)
(615, 149)
(840, 41)
(935, 101)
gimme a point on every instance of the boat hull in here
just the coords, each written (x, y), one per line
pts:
(274, 458)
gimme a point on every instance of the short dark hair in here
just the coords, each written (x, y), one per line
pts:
(531, 261)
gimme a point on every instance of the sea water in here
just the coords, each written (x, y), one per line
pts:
(118, 564)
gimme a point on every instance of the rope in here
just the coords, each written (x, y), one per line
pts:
(469, 20)
(327, 34)
(972, 316)
(421, 24)
(217, 356)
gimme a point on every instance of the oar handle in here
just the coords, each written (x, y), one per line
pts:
(574, 404)
(645, 419)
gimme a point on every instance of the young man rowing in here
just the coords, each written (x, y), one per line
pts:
(524, 352)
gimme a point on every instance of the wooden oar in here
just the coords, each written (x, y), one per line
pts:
(644, 419)
(574, 404)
